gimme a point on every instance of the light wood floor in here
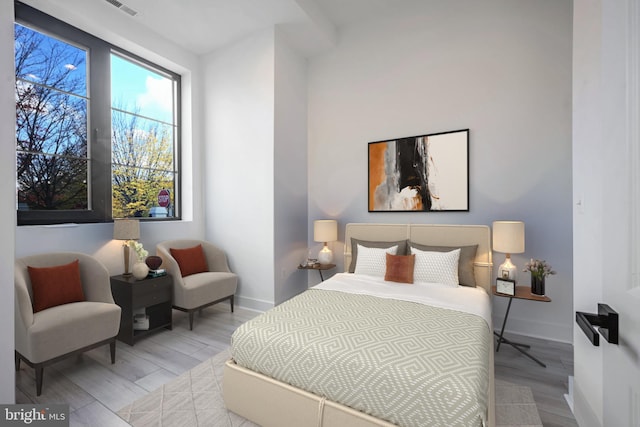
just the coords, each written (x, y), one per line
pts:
(95, 389)
(549, 385)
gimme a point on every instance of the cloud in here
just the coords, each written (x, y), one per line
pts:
(158, 95)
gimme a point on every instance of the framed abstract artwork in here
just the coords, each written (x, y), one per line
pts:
(426, 173)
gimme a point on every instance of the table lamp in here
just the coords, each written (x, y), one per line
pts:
(126, 229)
(508, 238)
(325, 230)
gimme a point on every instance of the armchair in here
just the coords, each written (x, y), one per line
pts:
(193, 292)
(51, 334)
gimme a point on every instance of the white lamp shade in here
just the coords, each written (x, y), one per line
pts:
(126, 229)
(508, 237)
(325, 230)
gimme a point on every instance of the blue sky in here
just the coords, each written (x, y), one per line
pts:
(136, 87)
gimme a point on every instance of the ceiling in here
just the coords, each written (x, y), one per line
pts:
(202, 26)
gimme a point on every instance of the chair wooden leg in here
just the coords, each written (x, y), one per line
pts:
(112, 350)
(191, 320)
(39, 374)
(231, 301)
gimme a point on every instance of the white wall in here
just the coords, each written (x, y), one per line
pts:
(239, 162)
(7, 208)
(255, 164)
(500, 68)
(290, 170)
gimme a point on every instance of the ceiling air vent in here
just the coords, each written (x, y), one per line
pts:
(122, 7)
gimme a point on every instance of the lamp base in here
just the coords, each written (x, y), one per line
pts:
(507, 270)
(127, 257)
(325, 256)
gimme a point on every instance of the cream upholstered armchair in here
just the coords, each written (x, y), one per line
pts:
(200, 277)
(48, 329)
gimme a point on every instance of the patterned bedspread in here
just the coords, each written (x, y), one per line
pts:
(403, 362)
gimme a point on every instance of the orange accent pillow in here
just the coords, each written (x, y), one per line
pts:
(190, 260)
(400, 268)
(58, 285)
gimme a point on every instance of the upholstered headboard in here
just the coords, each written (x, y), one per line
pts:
(430, 234)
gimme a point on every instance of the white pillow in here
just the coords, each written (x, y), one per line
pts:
(373, 261)
(436, 267)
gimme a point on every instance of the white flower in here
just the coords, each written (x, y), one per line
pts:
(141, 252)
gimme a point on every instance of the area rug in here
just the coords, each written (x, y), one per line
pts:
(515, 406)
(195, 399)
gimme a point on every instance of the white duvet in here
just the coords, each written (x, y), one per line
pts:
(460, 298)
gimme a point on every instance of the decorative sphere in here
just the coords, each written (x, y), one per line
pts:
(140, 270)
(153, 262)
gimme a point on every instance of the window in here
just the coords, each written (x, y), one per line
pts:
(51, 122)
(87, 151)
(142, 142)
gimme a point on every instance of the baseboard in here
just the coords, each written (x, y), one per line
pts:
(253, 304)
(535, 329)
(569, 396)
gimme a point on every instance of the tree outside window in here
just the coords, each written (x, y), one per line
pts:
(51, 122)
(142, 125)
(65, 163)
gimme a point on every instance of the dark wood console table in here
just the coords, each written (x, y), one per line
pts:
(152, 294)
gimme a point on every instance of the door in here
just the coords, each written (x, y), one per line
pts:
(606, 165)
(621, 219)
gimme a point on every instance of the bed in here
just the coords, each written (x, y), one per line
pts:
(345, 353)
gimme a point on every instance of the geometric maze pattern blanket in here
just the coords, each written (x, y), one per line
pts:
(403, 362)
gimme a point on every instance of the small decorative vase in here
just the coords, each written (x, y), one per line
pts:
(153, 262)
(140, 270)
(537, 285)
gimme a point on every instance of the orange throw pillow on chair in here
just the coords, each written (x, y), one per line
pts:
(190, 260)
(58, 285)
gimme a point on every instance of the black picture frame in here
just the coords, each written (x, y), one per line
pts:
(424, 173)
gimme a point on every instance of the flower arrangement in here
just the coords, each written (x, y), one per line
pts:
(141, 252)
(538, 268)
